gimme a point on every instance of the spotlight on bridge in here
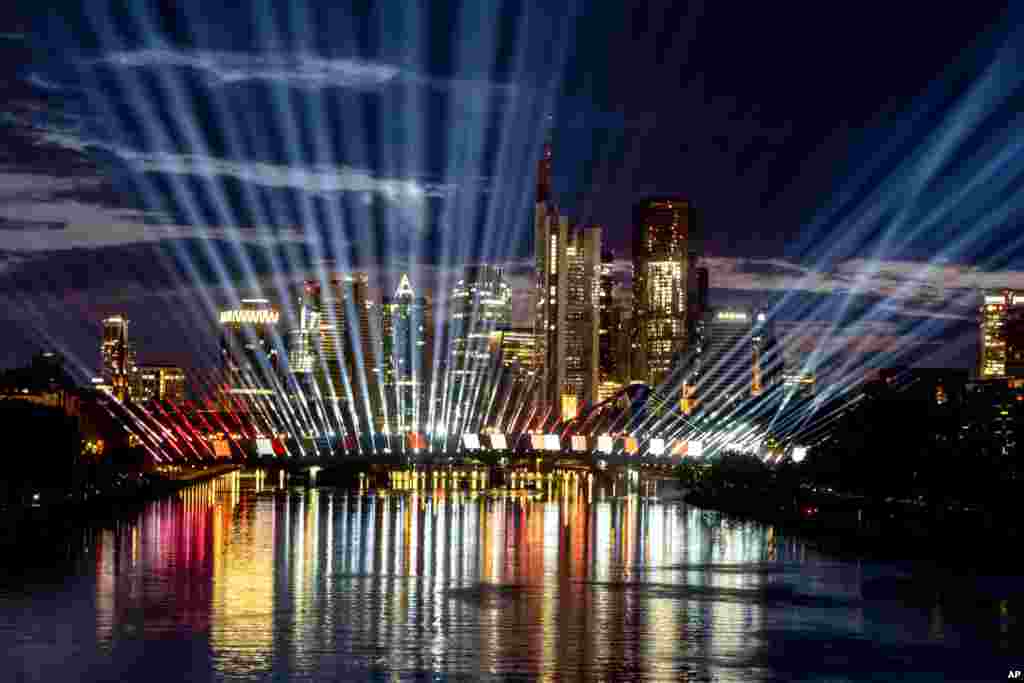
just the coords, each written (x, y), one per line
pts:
(498, 442)
(552, 442)
(537, 441)
(657, 447)
(605, 444)
(416, 441)
(471, 442)
(680, 447)
(579, 443)
(799, 453)
(695, 449)
(264, 448)
(221, 449)
(630, 445)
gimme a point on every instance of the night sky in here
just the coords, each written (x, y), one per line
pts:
(856, 167)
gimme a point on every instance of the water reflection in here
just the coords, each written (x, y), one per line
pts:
(561, 578)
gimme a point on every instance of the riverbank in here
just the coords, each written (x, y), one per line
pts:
(38, 524)
(958, 541)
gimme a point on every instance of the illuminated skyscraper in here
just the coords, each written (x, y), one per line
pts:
(662, 229)
(767, 359)
(1002, 334)
(612, 339)
(304, 340)
(582, 314)
(727, 358)
(551, 232)
(161, 382)
(516, 349)
(248, 350)
(334, 346)
(480, 302)
(118, 357)
(359, 317)
(566, 308)
(405, 336)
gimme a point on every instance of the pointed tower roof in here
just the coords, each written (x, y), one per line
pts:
(404, 288)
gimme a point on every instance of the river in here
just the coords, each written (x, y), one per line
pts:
(249, 578)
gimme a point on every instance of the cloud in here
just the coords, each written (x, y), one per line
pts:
(222, 68)
(933, 289)
(234, 67)
(319, 179)
(37, 215)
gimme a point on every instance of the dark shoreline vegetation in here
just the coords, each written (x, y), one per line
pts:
(866, 523)
(954, 556)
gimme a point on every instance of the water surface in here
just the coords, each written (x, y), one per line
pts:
(249, 578)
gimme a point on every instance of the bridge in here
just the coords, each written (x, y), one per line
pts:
(634, 426)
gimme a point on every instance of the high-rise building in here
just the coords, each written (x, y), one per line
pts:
(361, 319)
(118, 356)
(516, 350)
(480, 302)
(583, 319)
(727, 358)
(1002, 334)
(801, 384)
(161, 382)
(613, 339)
(338, 341)
(405, 335)
(551, 232)
(566, 314)
(662, 230)
(304, 341)
(248, 349)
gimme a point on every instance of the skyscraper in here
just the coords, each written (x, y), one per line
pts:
(662, 229)
(361, 324)
(480, 302)
(1001, 344)
(612, 363)
(405, 331)
(566, 307)
(727, 358)
(304, 340)
(582, 319)
(118, 358)
(248, 351)
(551, 234)
(516, 350)
(337, 338)
(161, 382)
(766, 361)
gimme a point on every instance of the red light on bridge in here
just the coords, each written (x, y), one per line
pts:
(415, 441)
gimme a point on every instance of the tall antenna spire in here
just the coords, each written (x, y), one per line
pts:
(544, 164)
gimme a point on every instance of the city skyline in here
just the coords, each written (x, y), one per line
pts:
(490, 339)
(837, 275)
